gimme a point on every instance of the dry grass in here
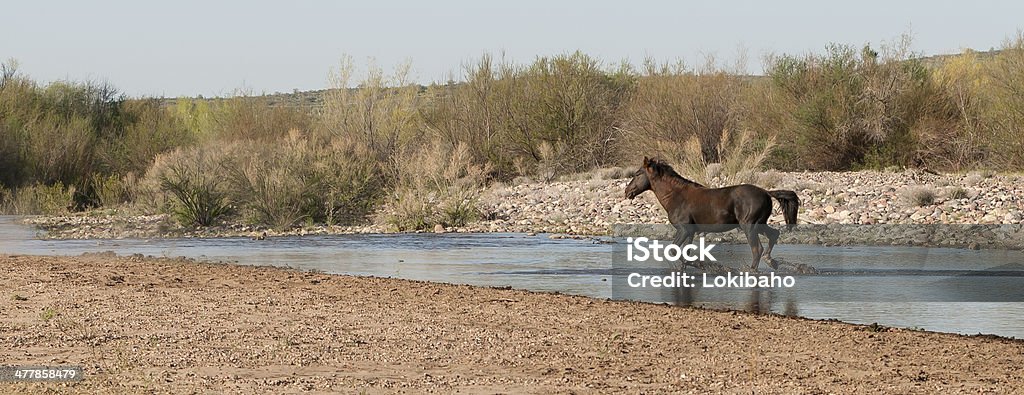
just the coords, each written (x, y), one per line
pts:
(741, 158)
(955, 193)
(918, 196)
(438, 184)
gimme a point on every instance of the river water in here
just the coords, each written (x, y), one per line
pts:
(937, 289)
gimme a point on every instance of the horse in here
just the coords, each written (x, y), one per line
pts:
(693, 208)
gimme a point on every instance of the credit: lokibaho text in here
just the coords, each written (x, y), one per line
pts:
(728, 280)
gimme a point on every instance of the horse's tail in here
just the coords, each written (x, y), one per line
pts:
(790, 204)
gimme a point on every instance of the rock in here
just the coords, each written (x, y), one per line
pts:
(439, 228)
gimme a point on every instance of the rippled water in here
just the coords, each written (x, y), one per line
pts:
(947, 290)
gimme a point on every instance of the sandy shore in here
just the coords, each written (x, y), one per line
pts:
(172, 326)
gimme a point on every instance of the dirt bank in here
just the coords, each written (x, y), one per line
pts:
(171, 326)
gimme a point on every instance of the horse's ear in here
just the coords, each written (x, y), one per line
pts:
(647, 161)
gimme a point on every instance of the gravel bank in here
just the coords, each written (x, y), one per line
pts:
(591, 207)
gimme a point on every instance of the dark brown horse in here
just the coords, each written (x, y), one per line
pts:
(693, 208)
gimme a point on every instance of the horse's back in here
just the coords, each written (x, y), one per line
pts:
(751, 203)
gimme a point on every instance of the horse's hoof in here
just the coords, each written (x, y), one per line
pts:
(773, 263)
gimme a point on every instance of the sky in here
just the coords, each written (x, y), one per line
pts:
(215, 48)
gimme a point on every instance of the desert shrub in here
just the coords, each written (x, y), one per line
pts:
(471, 113)
(851, 108)
(1004, 104)
(951, 133)
(149, 130)
(55, 133)
(55, 199)
(690, 117)
(973, 179)
(765, 179)
(674, 104)
(301, 179)
(552, 161)
(247, 117)
(742, 152)
(568, 102)
(191, 180)
(955, 193)
(918, 196)
(5, 201)
(511, 116)
(381, 114)
(985, 173)
(113, 190)
(438, 184)
(76, 132)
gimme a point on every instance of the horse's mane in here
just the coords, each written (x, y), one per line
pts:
(662, 169)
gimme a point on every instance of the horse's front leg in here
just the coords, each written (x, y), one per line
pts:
(684, 236)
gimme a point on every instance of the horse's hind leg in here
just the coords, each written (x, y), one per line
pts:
(755, 244)
(773, 237)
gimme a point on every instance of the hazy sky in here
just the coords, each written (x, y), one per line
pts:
(186, 47)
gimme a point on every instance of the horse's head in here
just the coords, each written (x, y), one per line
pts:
(640, 182)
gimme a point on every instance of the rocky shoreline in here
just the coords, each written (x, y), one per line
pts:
(864, 207)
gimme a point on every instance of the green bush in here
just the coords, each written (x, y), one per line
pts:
(242, 117)
(55, 133)
(510, 116)
(150, 130)
(56, 199)
(300, 179)
(191, 178)
(852, 108)
(111, 191)
(1004, 110)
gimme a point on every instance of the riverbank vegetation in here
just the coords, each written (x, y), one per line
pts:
(419, 155)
